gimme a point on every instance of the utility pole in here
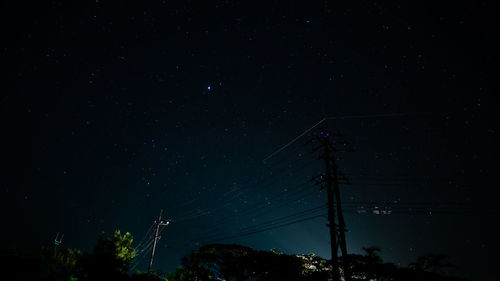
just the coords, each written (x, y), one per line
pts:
(57, 241)
(342, 229)
(331, 210)
(330, 181)
(158, 223)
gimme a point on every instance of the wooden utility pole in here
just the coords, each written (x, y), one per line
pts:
(342, 242)
(158, 223)
(330, 181)
(342, 229)
(331, 209)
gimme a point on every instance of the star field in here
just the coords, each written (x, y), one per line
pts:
(110, 112)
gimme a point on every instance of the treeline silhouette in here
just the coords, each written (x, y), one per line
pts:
(112, 257)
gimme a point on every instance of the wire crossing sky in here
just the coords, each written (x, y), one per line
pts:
(111, 112)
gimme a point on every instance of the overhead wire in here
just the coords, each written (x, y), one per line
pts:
(257, 228)
(207, 211)
(139, 245)
(140, 251)
(409, 208)
(272, 221)
(293, 140)
(264, 229)
(253, 183)
(275, 221)
(260, 213)
(195, 213)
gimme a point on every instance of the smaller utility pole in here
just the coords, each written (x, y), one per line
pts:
(158, 223)
(57, 241)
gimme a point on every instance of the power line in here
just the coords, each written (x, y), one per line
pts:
(205, 212)
(262, 210)
(140, 256)
(288, 223)
(293, 140)
(341, 118)
(272, 221)
(265, 229)
(277, 220)
(251, 184)
(144, 239)
(258, 227)
(253, 217)
(376, 115)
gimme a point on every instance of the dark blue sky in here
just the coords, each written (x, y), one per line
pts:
(110, 112)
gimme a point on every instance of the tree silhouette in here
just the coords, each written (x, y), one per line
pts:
(61, 265)
(111, 258)
(432, 263)
(371, 254)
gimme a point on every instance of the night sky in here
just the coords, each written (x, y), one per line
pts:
(110, 112)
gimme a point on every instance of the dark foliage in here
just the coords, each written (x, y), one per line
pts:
(110, 260)
(44, 264)
(234, 262)
(112, 256)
